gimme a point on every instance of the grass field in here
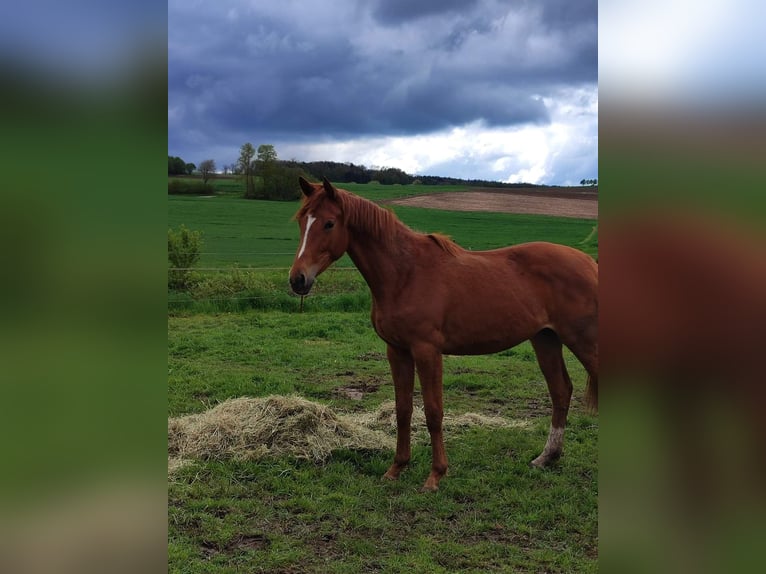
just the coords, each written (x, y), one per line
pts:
(279, 514)
(235, 187)
(263, 234)
(492, 513)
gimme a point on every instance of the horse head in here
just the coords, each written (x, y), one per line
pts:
(324, 235)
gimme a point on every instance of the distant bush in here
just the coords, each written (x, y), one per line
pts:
(278, 183)
(183, 253)
(189, 187)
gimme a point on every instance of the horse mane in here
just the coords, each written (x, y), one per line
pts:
(445, 243)
(379, 222)
(361, 213)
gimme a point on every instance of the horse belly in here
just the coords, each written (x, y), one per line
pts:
(481, 347)
(474, 335)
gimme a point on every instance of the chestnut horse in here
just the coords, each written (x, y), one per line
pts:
(432, 297)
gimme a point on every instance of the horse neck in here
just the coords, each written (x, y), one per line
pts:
(383, 257)
(378, 263)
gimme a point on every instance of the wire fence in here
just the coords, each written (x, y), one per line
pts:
(186, 298)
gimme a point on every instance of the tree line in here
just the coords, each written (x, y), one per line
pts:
(265, 176)
(351, 173)
(177, 166)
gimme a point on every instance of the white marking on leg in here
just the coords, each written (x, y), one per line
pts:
(552, 448)
(555, 440)
(311, 220)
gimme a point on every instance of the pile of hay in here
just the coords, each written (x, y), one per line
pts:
(252, 428)
(384, 418)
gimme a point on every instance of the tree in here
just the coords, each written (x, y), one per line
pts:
(245, 167)
(266, 161)
(190, 167)
(176, 166)
(207, 169)
(277, 180)
(267, 153)
(266, 167)
(392, 175)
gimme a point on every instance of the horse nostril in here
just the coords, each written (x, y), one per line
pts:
(298, 282)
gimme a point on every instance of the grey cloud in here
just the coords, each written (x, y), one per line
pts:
(397, 11)
(274, 74)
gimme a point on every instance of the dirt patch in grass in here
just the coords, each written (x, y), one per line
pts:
(252, 542)
(371, 356)
(359, 387)
(579, 202)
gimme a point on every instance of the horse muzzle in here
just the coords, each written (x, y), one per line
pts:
(300, 284)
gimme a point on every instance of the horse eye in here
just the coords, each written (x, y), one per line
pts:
(329, 225)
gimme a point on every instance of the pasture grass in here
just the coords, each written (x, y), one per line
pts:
(249, 245)
(238, 231)
(234, 186)
(492, 513)
(253, 233)
(282, 514)
(240, 289)
(380, 192)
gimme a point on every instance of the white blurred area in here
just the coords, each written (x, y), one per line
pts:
(682, 52)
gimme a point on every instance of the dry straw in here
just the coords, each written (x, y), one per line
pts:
(251, 428)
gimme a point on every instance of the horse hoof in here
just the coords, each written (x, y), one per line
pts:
(429, 488)
(543, 462)
(388, 476)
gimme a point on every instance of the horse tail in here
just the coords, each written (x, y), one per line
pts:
(591, 394)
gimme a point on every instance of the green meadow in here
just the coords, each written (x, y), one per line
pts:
(262, 233)
(239, 333)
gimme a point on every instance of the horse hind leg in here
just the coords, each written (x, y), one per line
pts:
(585, 348)
(548, 349)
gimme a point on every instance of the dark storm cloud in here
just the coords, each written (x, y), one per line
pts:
(290, 71)
(397, 11)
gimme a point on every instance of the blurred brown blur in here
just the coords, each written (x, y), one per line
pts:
(682, 265)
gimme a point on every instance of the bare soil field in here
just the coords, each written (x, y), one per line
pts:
(580, 202)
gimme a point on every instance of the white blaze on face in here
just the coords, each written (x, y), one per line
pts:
(311, 220)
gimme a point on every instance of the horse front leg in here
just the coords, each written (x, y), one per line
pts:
(403, 374)
(428, 361)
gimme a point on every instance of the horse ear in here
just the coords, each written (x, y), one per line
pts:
(306, 187)
(329, 189)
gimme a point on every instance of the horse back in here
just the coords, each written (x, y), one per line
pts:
(507, 295)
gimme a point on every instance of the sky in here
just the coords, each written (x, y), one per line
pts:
(683, 53)
(502, 90)
(471, 88)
